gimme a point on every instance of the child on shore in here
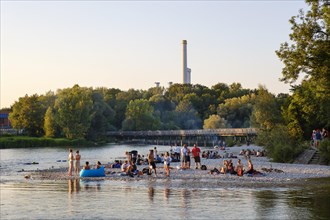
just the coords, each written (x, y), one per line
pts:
(167, 162)
(77, 162)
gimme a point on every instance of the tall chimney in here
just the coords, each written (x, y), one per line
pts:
(184, 63)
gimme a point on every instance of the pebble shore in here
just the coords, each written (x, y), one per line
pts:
(292, 173)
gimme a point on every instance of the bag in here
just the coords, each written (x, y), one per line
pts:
(203, 167)
(215, 170)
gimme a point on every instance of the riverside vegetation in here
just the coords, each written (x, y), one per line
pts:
(285, 121)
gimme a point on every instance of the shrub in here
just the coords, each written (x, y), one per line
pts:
(230, 141)
(325, 148)
(280, 146)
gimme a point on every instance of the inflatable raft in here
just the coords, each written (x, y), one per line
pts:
(93, 173)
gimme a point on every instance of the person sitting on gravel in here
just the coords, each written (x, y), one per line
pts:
(250, 169)
(259, 153)
(116, 164)
(224, 168)
(132, 169)
(125, 166)
(239, 168)
(139, 160)
(231, 168)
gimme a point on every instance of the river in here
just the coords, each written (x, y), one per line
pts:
(148, 199)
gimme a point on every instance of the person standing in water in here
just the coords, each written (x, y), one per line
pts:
(196, 154)
(151, 161)
(70, 159)
(77, 162)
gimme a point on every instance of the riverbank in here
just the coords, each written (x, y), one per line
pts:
(30, 142)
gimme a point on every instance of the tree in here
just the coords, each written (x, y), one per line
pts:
(309, 52)
(74, 111)
(140, 116)
(237, 111)
(187, 116)
(266, 113)
(28, 114)
(50, 125)
(102, 117)
(122, 100)
(214, 122)
(308, 56)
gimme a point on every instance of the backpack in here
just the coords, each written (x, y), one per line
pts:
(203, 167)
(145, 170)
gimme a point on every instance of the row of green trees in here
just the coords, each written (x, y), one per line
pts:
(81, 112)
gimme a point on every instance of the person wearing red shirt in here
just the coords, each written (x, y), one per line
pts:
(196, 154)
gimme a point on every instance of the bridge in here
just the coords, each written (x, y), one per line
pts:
(199, 136)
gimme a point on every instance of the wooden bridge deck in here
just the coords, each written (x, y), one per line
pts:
(201, 132)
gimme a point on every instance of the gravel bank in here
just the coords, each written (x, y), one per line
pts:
(292, 173)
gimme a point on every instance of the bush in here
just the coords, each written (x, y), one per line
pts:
(325, 148)
(280, 146)
(230, 141)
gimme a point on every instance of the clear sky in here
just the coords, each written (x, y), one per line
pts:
(50, 45)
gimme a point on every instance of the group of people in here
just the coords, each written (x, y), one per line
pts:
(247, 153)
(184, 156)
(74, 162)
(318, 135)
(129, 166)
(229, 168)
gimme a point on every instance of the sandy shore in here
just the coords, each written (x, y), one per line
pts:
(292, 173)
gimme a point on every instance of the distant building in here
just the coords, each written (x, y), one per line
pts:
(4, 120)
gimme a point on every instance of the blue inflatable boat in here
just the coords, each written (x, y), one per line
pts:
(93, 173)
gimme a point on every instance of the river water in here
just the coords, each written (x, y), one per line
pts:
(146, 199)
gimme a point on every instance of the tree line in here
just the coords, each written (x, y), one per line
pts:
(81, 112)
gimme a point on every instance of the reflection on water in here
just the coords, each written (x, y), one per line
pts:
(166, 193)
(145, 199)
(313, 200)
(73, 185)
(74, 199)
(94, 185)
(151, 193)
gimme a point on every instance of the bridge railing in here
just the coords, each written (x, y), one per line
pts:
(221, 132)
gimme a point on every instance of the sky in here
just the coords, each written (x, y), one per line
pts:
(50, 45)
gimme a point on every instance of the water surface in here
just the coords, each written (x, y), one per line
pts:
(144, 199)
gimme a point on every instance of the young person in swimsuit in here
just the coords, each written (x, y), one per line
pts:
(77, 162)
(250, 167)
(70, 159)
(151, 161)
(167, 161)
